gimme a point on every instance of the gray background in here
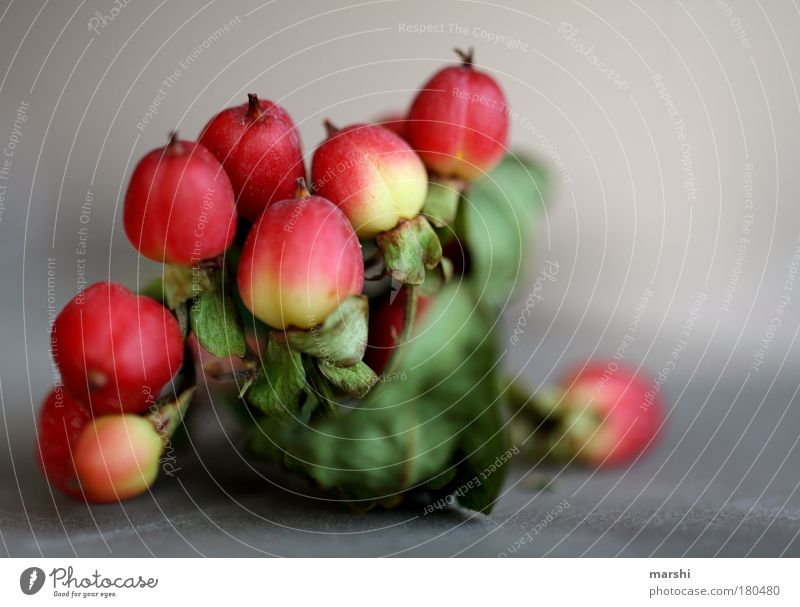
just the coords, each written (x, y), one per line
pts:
(624, 217)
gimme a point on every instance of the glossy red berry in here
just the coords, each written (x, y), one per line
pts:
(116, 350)
(300, 261)
(117, 457)
(260, 148)
(615, 414)
(458, 123)
(386, 319)
(395, 122)
(179, 207)
(61, 421)
(372, 175)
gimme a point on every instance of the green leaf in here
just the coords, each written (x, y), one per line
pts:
(487, 451)
(409, 249)
(216, 323)
(497, 218)
(279, 385)
(356, 380)
(341, 339)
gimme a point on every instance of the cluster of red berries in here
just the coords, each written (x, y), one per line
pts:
(115, 351)
(123, 358)
(119, 353)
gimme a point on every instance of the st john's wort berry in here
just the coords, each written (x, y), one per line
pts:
(179, 207)
(115, 349)
(458, 122)
(612, 416)
(386, 320)
(260, 148)
(117, 457)
(395, 122)
(300, 261)
(372, 175)
(61, 420)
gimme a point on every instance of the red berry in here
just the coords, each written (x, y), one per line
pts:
(625, 416)
(372, 175)
(300, 261)
(117, 457)
(458, 122)
(116, 350)
(386, 319)
(61, 420)
(259, 147)
(395, 122)
(179, 207)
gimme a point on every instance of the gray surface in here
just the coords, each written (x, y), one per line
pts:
(689, 496)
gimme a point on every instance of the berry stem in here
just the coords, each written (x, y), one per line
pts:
(330, 128)
(301, 191)
(466, 57)
(441, 204)
(253, 107)
(173, 143)
(169, 415)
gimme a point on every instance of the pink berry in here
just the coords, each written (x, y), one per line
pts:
(61, 421)
(386, 320)
(117, 457)
(625, 415)
(300, 261)
(116, 350)
(372, 175)
(395, 122)
(179, 207)
(458, 123)
(259, 147)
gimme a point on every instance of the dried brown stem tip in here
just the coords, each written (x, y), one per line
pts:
(466, 57)
(301, 191)
(330, 128)
(253, 106)
(173, 144)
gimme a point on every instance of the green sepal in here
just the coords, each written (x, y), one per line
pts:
(356, 380)
(278, 388)
(341, 339)
(409, 249)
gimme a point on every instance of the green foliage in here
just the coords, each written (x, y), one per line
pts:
(216, 323)
(442, 422)
(498, 221)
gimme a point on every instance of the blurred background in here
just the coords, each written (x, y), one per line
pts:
(669, 130)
